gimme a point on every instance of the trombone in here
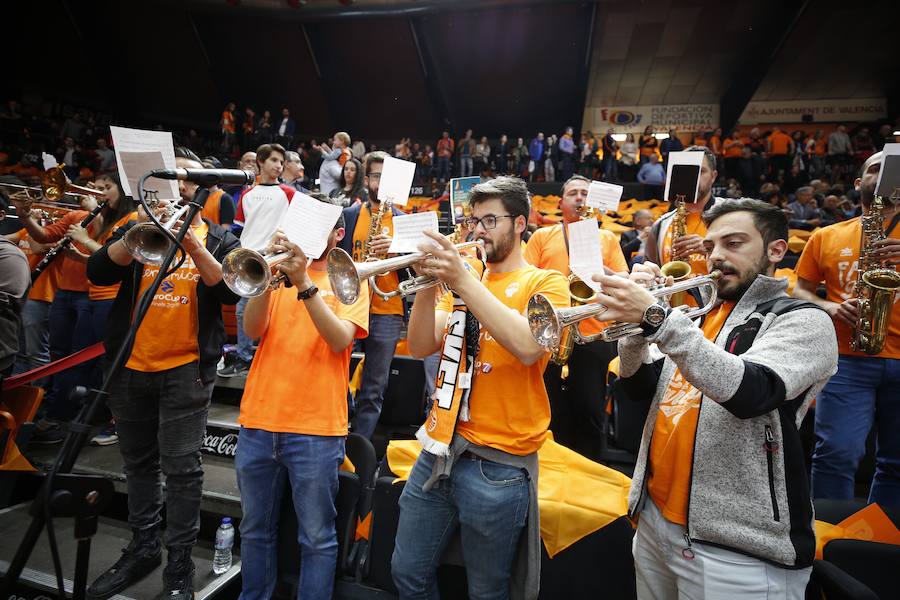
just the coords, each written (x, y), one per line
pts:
(149, 245)
(548, 324)
(346, 276)
(55, 186)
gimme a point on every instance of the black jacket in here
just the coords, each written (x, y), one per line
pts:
(102, 270)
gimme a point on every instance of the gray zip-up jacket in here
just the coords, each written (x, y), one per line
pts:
(749, 491)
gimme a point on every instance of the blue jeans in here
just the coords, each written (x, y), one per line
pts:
(465, 166)
(71, 329)
(384, 333)
(244, 348)
(610, 168)
(865, 390)
(443, 167)
(265, 461)
(487, 501)
(34, 337)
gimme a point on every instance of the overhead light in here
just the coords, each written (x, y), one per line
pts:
(661, 136)
(620, 137)
(897, 132)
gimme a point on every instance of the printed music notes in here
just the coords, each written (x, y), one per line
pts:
(604, 197)
(396, 179)
(308, 223)
(138, 151)
(409, 231)
(585, 255)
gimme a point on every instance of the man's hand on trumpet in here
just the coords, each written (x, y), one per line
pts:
(379, 244)
(443, 262)
(648, 275)
(625, 299)
(294, 267)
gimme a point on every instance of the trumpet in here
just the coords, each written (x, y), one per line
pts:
(549, 324)
(249, 273)
(346, 276)
(147, 244)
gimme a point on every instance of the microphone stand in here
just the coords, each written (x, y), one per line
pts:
(50, 497)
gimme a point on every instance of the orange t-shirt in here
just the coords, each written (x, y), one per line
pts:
(693, 226)
(109, 292)
(732, 148)
(821, 146)
(211, 208)
(547, 250)
(168, 335)
(780, 142)
(44, 287)
(672, 441)
(271, 400)
(715, 144)
(386, 283)
(830, 255)
(509, 409)
(227, 121)
(73, 274)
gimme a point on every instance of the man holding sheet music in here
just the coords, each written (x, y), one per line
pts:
(576, 403)
(478, 468)
(387, 316)
(296, 441)
(161, 397)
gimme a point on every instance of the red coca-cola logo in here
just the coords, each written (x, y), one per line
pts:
(220, 445)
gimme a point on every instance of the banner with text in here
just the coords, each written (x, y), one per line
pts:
(821, 111)
(633, 119)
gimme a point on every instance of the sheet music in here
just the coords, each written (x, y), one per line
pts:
(889, 174)
(604, 196)
(409, 231)
(144, 151)
(396, 179)
(49, 160)
(308, 223)
(585, 255)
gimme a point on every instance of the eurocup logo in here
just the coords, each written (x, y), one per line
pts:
(167, 286)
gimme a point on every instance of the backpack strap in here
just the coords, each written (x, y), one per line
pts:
(785, 304)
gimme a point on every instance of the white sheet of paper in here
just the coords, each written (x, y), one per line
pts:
(604, 196)
(888, 175)
(585, 255)
(682, 158)
(308, 223)
(396, 179)
(49, 160)
(409, 231)
(145, 145)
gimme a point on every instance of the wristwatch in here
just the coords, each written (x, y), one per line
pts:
(653, 319)
(308, 293)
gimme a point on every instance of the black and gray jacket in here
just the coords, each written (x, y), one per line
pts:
(749, 491)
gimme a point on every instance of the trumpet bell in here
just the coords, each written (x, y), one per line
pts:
(147, 244)
(579, 291)
(343, 276)
(246, 272)
(543, 320)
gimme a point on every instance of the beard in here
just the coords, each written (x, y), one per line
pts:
(867, 193)
(733, 290)
(498, 249)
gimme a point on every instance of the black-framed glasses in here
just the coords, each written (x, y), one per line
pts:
(487, 221)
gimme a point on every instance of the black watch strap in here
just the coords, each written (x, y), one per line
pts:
(308, 293)
(647, 330)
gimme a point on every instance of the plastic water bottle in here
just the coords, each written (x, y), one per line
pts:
(224, 542)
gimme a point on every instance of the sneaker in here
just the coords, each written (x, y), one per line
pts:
(178, 576)
(107, 437)
(238, 368)
(142, 556)
(51, 435)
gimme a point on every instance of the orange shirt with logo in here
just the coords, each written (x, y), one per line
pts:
(73, 274)
(693, 226)
(732, 148)
(831, 255)
(547, 250)
(780, 142)
(167, 337)
(211, 207)
(44, 287)
(109, 292)
(672, 441)
(509, 409)
(386, 283)
(311, 400)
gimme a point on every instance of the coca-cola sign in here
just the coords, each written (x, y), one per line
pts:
(219, 442)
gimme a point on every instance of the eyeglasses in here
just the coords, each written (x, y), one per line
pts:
(488, 221)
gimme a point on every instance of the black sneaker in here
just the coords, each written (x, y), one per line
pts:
(178, 576)
(51, 435)
(238, 368)
(143, 555)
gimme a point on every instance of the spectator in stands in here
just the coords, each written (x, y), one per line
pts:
(648, 144)
(71, 156)
(482, 156)
(610, 162)
(670, 144)
(755, 142)
(653, 177)
(488, 460)
(863, 145)
(884, 135)
(426, 163)
(358, 149)
(731, 153)
(811, 145)
(294, 171)
(536, 154)
(551, 158)
(831, 211)
(629, 159)
(804, 210)
(351, 189)
(264, 128)
(750, 171)
(586, 159)
(566, 155)
(248, 129)
(502, 155)
(73, 127)
(333, 162)
(520, 158)
(226, 126)
(304, 439)
(106, 157)
(445, 148)
(634, 240)
(839, 148)
(780, 147)
(700, 139)
(14, 283)
(285, 130)
(219, 207)
(466, 150)
(259, 213)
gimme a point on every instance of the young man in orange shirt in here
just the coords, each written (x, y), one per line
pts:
(780, 147)
(290, 438)
(866, 388)
(478, 469)
(720, 482)
(161, 396)
(577, 407)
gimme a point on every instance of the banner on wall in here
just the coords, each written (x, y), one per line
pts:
(633, 119)
(822, 111)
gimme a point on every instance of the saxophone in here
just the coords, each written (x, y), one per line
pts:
(375, 228)
(677, 269)
(876, 285)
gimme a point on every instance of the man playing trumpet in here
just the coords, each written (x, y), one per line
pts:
(720, 484)
(478, 469)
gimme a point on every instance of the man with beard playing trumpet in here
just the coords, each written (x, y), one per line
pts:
(720, 483)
